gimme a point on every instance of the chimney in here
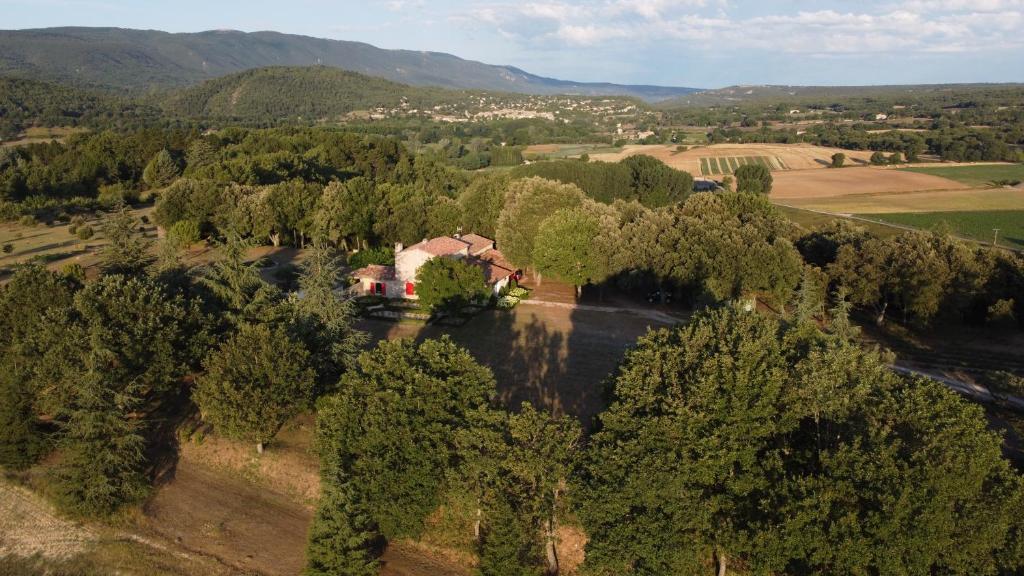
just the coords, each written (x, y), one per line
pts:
(399, 247)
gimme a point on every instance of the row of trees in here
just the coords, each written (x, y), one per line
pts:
(97, 370)
(737, 441)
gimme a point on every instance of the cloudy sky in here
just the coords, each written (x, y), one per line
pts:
(700, 43)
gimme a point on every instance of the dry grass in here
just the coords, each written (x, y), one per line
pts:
(30, 527)
(927, 201)
(792, 156)
(817, 184)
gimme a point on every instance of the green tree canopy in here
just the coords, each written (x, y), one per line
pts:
(740, 440)
(573, 244)
(254, 383)
(528, 203)
(161, 171)
(753, 178)
(449, 284)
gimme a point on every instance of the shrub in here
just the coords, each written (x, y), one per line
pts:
(183, 234)
(507, 302)
(27, 220)
(383, 256)
(114, 195)
(878, 159)
(838, 160)
(8, 248)
(85, 232)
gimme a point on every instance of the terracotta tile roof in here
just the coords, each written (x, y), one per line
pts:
(477, 243)
(441, 246)
(494, 265)
(496, 258)
(375, 272)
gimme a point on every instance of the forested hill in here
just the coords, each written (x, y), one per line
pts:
(24, 103)
(300, 92)
(149, 59)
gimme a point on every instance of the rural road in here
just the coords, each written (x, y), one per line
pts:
(976, 391)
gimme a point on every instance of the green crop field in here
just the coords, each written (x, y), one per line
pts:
(729, 164)
(979, 175)
(975, 225)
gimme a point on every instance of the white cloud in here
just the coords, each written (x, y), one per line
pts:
(909, 26)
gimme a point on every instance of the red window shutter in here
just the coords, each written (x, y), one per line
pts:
(410, 289)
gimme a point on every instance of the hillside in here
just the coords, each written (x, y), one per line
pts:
(300, 92)
(139, 60)
(26, 103)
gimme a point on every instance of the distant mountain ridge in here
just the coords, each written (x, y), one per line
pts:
(745, 94)
(149, 60)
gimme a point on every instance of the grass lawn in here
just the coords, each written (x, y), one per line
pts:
(974, 175)
(974, 225)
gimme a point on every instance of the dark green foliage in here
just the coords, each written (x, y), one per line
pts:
(26, 103)
(449, 284)
(342, 538)
(528, 202)
(346, 212)
(161, 171)
(392, 425)
(654, 183)
(753, 178)
(638, 177)
(786, 451)
(509, 545)
(384, 256)
(323, 320)
(571, 244)
(482, 202)
(22, 436)
(838, 160)
(878, 159)
(254, 383)
(236, 291)
(103, 448)
(127, 251)
(718, 246)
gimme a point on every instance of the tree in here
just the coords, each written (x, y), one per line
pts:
(391, 428)
(536, 464)
(449, 284)
(737, 438)
(254, 383)
(346, 212)
(161, 171)
(342, 538)
(22, 436)
(126, 252)
(878, 159)
(811, 295)
(567, 245)
(103, 448)
(528, 203)
(509, 545)
(838, 159)
(754, 179)
(323, 320)
(236, 289)
(482, 202)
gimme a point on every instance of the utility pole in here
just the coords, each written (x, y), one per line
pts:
(995, 236)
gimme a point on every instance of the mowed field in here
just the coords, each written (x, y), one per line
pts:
(779, 156)
(976, 225)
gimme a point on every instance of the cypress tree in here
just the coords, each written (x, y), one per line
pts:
(342, 538)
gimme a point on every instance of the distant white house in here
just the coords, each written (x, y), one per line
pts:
(399, 281)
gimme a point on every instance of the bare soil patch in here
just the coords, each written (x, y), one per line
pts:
(792, 156)
(29, 526)
(802, 184)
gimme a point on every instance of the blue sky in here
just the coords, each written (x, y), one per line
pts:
(701, 43)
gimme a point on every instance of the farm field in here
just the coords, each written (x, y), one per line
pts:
(728, 164)
(973, 175)
(787, 156)
(811, 220)
(976, 225)
(558, 151)
(804, 185)
(956, 200)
